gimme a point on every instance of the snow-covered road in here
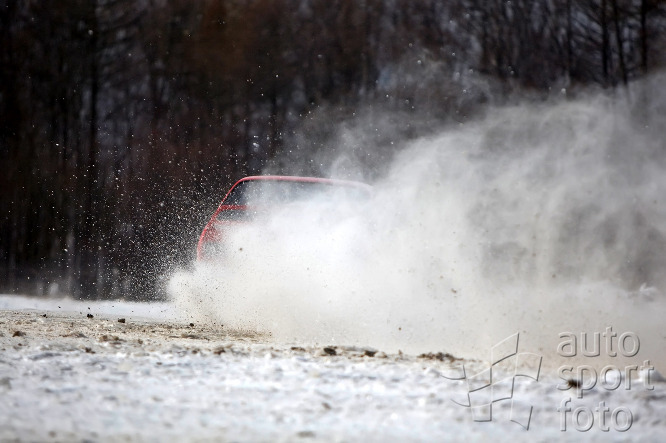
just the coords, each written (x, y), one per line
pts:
(131, 373)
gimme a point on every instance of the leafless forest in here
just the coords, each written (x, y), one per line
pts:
(122, 122)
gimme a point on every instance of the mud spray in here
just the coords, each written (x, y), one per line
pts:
(538, 219)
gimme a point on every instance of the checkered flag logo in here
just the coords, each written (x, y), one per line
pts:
(491, 385)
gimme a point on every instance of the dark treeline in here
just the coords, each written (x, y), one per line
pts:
(123, 122)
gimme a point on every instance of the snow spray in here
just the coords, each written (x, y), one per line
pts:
(543, 219)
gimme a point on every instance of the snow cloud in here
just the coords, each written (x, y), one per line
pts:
(538, 218)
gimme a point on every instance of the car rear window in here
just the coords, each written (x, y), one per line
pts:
(234, 215)
(271, 192)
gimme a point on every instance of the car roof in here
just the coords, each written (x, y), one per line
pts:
(296, 178)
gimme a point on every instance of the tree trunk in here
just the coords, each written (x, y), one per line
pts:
(619, 42)
(569, 40)
(644, 36)
(604, 43)
(92, 224)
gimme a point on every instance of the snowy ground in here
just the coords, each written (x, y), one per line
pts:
(137, 372)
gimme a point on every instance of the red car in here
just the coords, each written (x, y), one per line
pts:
(254, 195)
